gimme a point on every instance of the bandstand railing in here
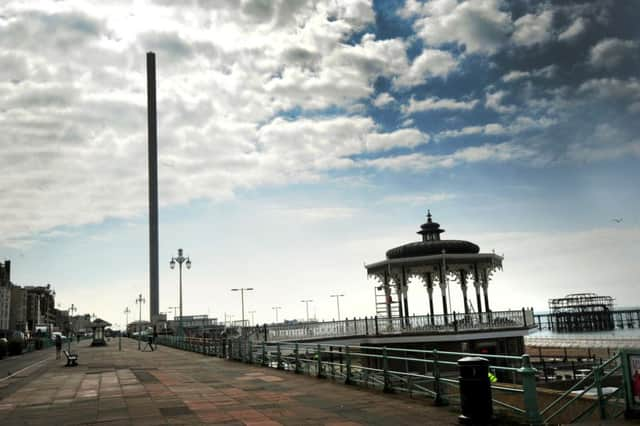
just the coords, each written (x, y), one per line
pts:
(376, 326)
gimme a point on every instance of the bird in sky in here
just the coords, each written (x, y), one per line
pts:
(616, 220)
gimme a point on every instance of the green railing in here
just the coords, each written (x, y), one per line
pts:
(431, 373)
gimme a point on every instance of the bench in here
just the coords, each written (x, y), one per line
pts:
(72, 359)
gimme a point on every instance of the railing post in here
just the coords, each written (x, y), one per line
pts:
(366, 326)
(297, 359)
(347, 381)
(264, 354)
(597, 381)
(250, 352)
(455, 322)
(319, 358)
(376, 320)
(385, 372)
(278, 357)
(439, 400)
(524, 318)
(530, 395)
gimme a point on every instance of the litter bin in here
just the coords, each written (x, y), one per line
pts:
(475, 391)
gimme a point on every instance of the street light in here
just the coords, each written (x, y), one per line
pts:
(139, 301)
(276, 309)
(180, 259)
(306, 302)
(72, 310)
(338, 296)
(242, 290)
(252, 320)
(127, 311)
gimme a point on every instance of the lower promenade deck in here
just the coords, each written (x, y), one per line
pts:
(171, 386)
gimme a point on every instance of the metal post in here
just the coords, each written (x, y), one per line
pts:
(348, 362)
(319, 359)
(296, 354)
(597, 381)
(530, 395)
(385, 371)
(338, 296)
(139, 301)
(153, 184)
(278, 357)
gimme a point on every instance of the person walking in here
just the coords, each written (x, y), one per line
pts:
(58, 346)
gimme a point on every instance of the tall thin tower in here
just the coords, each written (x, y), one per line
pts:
(154, 306)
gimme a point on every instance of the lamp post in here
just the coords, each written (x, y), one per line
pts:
(119, 337)
(252, 321)
(139, 301)
(127, 311)
(180, 259)
(242, 290)
(72, 310)
(338, 296)
(276, 309)
(306, 302)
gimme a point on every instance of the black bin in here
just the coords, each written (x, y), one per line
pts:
(475, 391)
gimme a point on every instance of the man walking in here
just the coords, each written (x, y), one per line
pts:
(58, 346)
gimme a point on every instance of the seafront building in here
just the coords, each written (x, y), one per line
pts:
(5, 294)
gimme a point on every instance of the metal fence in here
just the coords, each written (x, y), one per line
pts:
(375, 326)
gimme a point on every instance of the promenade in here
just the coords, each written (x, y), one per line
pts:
(170, 386)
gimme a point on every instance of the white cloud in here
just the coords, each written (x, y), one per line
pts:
(515, 75)
(418, 162)
(417, 199)
(495, 100)
(383, 99)
(431, 104)
(533, 29)
(574, 30)
(480, 25)
(611, 52)
(430, 63)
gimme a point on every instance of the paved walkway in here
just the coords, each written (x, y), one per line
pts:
(169, 386)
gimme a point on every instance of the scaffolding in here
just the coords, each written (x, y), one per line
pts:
(582, 312)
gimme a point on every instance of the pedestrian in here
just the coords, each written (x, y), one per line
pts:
(78, 337)
(58, 346)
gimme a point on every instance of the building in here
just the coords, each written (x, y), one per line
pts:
(5, 294)
(40, 307)
(18, 314)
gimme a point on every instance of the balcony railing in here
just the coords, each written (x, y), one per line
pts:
(375, 326)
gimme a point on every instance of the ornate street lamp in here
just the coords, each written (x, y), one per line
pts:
(180, 260)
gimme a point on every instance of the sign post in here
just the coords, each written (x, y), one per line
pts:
(631, 375)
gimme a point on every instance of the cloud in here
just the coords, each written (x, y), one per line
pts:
(431, 104)
(383, 99)
(417, 199)
(518, 125)
(430, 63)
(574, 30)
(418, 162)
(533, 29)
(611, 52)
(494, 101)
(481, 26)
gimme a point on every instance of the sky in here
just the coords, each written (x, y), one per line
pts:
(300, 139)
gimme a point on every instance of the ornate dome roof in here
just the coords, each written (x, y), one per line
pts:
(432, 244)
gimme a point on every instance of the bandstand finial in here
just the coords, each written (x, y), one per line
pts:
(428, 216)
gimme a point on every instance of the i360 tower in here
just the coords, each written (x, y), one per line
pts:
(153, 186)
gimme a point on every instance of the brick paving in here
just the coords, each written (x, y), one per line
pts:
(170, 386)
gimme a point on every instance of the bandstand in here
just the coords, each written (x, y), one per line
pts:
(437, 263)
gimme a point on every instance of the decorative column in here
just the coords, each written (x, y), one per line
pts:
(387, 293)
(485, 289)
(443, 290)
(428, 280)
(463, 286)
(405, 289)
(398, 282)
(477, 284)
